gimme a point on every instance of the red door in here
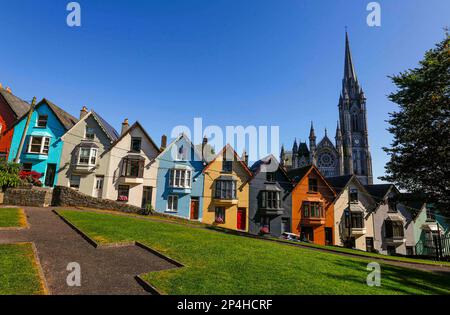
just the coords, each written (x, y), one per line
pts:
(194, 209)
(242, 219)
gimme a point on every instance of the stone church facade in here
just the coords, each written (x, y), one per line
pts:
(349, 153)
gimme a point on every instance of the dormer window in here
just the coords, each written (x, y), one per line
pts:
(42, 121)
(136, 144)
(88, 156)
(89, 133)
(313, 185)
(354, 195)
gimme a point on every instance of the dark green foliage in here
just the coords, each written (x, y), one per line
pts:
(420, 152)
(9, 175)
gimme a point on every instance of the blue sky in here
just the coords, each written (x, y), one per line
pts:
(231, 62)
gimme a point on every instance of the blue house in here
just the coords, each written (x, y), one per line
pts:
(180, 180)
(42, 148)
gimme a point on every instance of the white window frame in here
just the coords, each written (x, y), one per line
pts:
(180, 178)
(45, 145)
(92, 156)
(37, 121)
(171, 203)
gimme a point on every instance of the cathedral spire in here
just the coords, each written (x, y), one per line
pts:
(338, 131)
(312, 133)
(349, 70)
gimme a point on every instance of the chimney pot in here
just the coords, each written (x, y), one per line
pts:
(163, 142)
(83, 112)
(125, 126)
(8, 89)
(1, 86)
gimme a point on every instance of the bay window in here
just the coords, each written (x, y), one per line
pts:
(225, 189)
(180, 178)
(39, 145)
(394, 229)
(271, 200)
(313, 210)
(357, 219)
(88, 156)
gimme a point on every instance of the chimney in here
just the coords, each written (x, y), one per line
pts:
(245, 157)
(163, 142)
(125, 126)
(8, 89)
(83, 112)
(1, 86)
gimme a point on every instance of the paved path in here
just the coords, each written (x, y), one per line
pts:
(103, 271)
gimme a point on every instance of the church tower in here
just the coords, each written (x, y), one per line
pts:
(353, 123)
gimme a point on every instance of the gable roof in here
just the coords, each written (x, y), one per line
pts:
(298, 174)
(339, 183)
(185, 137)
(109, 131)
(134, 126)
(379, 191)
(256, 167)
(225, 148)
(107, 128)
(66, 119)
(18, 106)
(414, 204)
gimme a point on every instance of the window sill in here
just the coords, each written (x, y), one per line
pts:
(171, 212)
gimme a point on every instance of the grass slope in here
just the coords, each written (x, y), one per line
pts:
(218, 263)
(18, 271)
(11, 217)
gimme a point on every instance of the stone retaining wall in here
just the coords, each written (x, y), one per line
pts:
(28, 197)
(68, 197)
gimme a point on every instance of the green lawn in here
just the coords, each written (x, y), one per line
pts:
(218, 263)
(11, 217)
(18, 271)
(374, 255)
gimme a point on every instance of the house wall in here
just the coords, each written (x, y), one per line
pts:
(70, 154)
(114, 158)
(301, 194)
(380, 241)
(7, 118)
(213, 172)
(166, 163)
(258, 184)
(341, 204)
(54, 129)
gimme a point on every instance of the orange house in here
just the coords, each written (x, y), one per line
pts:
(11, 108)
(312, 206)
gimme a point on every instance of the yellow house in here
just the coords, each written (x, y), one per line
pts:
(226, 191)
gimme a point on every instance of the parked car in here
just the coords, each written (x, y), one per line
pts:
(290, 237)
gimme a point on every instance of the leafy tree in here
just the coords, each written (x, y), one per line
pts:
(420, 152)
(9, 175)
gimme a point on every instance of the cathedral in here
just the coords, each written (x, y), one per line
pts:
(349, 154)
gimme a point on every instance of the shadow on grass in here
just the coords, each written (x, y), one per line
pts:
(391, 276)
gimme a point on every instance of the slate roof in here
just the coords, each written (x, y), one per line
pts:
(378, 191)
(339, 182)
(298, 173)
(67, 120)
(18, 106)
(110, 131)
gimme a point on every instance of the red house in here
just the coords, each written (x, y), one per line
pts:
(11, 108)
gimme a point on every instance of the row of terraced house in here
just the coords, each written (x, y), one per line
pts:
(218, 188)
